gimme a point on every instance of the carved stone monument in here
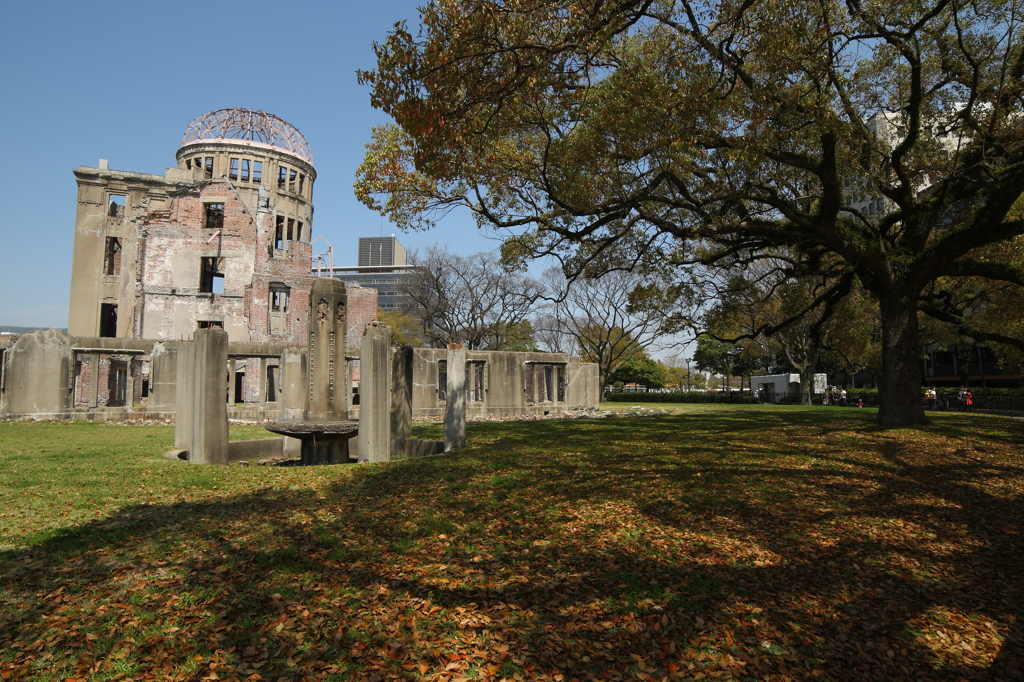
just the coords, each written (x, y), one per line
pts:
(325, 397)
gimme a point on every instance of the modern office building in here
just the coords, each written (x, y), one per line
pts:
(382, 266)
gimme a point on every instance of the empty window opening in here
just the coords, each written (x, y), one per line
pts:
(290, 233)
(279, 299)
(302, 181)
(233, 170)
(245, 170)
(112, 257)
(279, 295)
(145, 387)
(188, 164)
(108, 320)
(78, 378)
(211, 280)
(257, 171)
(115, 209)
(271, 396)
(291, 180)
(475, 386)
(208, 170)
(279, 241)
(544, 383)
(442, 380)
(210, 324)
(214, 216)
(298, 232)
(117, 383)
(282, 176)
(239, 388)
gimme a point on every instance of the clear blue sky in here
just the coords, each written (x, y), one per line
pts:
(81, 81)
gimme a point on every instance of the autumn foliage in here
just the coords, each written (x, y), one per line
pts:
(745, 543)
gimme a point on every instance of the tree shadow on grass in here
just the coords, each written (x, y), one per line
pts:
(687, 544)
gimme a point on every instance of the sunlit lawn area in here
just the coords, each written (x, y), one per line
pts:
(719, 542)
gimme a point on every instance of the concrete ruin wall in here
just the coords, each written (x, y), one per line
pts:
(505, 389)
(49, 375)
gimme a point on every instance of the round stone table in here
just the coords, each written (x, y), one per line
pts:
(322, 442)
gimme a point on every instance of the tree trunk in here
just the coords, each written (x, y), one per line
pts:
(899, 387)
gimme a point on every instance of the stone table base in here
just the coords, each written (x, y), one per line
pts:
(322, 442)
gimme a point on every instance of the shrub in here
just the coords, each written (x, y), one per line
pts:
(682, 397)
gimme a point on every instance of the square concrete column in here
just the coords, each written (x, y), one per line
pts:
(401, 402)
(455, 405)
(94, 380)
(129, 393)
(184, 395)
(209, 409)
(263, 382)
(375, 394)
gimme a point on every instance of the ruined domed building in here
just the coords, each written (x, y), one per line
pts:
(221, 239)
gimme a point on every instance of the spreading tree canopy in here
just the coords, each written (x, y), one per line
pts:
(880, 140)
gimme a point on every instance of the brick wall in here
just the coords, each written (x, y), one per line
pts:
(362, 310)
(174, 302)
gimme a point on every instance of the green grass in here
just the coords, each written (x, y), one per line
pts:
(727, 542)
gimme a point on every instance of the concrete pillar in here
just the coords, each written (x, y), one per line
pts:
(129, 380)
(94, 381)
(209, 409)
(375, 394)
(263, 382)
(401, 402)
(293, 384)
(183, 395)
(163, 376)
(325, 399)
(455, 405)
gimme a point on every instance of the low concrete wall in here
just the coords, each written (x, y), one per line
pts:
(415, 447)
(261, 448)
(505, 390)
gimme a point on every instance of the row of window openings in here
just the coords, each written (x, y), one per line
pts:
(542, 383)
(240, 170)
(286, 230)
(117, 383)
(247, 170)
(236, 388)
(475, 388)
(212, 281)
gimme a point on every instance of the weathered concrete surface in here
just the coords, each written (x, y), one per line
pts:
(375, 394)
(209, 423)
(37, 375)
(321, 442)
(401, 402)
(326, 368)
(185, 392)
(163, 376)
(455, 408)
(504, 390)
(248, 450)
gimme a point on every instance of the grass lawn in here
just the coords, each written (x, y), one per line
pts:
(716, 543)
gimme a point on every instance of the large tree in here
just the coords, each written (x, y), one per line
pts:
(886, 135)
